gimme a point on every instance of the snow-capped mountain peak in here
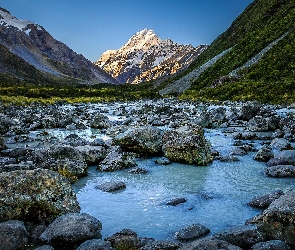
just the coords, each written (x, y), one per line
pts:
(142, 40)
(6, 19)
(146, 57)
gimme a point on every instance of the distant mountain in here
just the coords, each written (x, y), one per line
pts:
(146, 57)
(35, 46)
(252, 60)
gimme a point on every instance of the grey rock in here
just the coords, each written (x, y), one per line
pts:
(210, 244)
(276, 162)
(95, 244)
(13, 235)
(277, 220)
(271, 245)
(258, 124)
(35, 233)
(44, 247)
(265, 200)
(92, 154)
(71, 228)
(280, 144)
(137, 171)
(64, 159)
(187, 144)
(35, 195)
(191, 232)
(280, 171)
(126, 238)
(238, 151)
(143, 140)
(264, 154)
(163, 161)
(287, 155)
(116, 160)
(249, 110)
(245, 136)
(100, 121)
(111, 186)
(244, 237)
(176, 201)
(229, 158)
(162, 245)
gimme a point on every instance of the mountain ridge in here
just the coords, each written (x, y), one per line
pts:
(256, 31)
(36, 46)
(146, 57)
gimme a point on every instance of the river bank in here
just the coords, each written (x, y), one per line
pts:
(209, 174)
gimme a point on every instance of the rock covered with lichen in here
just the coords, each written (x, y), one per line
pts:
(35, 195)
(143, 140)
(278, 220)
(188, 145)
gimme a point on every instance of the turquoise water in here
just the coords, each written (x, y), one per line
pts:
(217, 195)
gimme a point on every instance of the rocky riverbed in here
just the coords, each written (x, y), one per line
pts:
(48, 150)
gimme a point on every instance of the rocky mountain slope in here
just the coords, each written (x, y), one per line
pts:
(146, 57)
(34, 45)
(252, 59)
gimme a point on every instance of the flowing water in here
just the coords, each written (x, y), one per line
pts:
(216, 195)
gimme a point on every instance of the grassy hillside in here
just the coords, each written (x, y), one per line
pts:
(272, 79)
(21, 83)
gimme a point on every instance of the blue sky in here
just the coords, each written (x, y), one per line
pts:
(91, 27)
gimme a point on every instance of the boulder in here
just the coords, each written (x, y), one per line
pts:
(244, 236)
(71, 228)
(162, 245)
(137, 171)
(111, 186)
(13, 235)
(258, 124)
(191, 232)
(209, 244)
(238, 151)
(277, 221)
(176, 201)
(264, 154)
(265, 200)
(117, 160)
(35, 195)
(271, 245)
(92, 154)
(280, 144)
(143, 140)
(63, 159)
(125, 239)
(187, 145)
(249, 110)
(95, 244)
(280, 171)
(287, 156)
(163, 161)
(100, 121)
(229, 158)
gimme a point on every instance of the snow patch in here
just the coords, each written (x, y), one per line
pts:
(28, 31)
(9, 20)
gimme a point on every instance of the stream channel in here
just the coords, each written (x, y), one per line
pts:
(217, 195)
